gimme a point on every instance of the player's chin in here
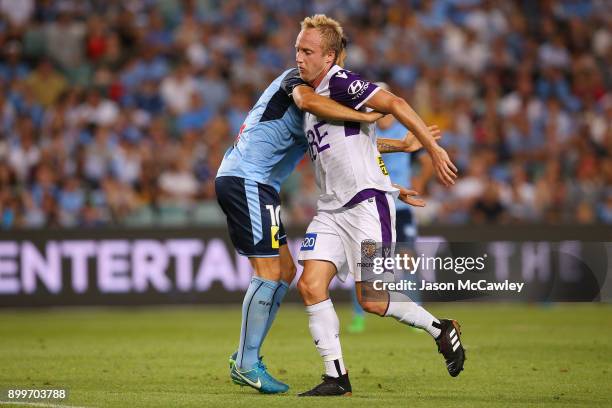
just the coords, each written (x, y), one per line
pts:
(303, 74)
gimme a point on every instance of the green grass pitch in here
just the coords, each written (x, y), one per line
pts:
(518, 355)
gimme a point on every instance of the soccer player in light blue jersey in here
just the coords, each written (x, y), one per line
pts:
(270, 144)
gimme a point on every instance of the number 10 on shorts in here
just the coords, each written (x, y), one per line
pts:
(274, 224)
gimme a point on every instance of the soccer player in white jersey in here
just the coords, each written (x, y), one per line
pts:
(356, 205)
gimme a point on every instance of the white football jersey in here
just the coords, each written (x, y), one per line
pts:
(344, 154)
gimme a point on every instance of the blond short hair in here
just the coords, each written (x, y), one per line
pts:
(331, 32)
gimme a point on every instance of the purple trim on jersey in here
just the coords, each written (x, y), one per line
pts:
(352, 128)
(382, 205)
(384, 215)
(362, 196)
(347, 88)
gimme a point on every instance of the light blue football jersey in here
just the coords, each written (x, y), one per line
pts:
(271, 140)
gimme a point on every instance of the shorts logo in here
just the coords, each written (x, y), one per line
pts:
(309, 242)
(368, 248)
(274, 235)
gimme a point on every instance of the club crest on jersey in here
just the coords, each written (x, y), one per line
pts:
(368, 248)
(309, 242)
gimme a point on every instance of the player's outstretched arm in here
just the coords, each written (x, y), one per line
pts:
(307, 100)
(408, 144)
(385, 102)
(408, 196)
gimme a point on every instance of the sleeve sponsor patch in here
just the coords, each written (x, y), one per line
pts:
(309, 241)
(348, 88)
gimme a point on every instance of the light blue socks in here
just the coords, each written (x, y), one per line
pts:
(277, 299)
(255, 313)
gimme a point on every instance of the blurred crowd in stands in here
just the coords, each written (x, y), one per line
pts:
(118, 112)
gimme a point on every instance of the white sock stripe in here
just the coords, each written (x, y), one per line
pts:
(455, 346)
(454, 338)
(332, 357)
(452, 333)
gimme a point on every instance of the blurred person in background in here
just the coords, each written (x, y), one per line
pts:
(176, 89)
(488, 208)
(46, 83)
(178, 184)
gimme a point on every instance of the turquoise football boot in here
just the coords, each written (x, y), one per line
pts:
(232, 364)
(258, 378)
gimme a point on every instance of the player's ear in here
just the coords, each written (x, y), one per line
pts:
(330, 57)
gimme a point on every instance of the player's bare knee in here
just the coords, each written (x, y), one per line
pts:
(311, 291)
(288, 272)
(266, 268)
(287, 265)
(304, 288)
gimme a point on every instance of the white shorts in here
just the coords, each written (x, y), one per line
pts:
(338, 236)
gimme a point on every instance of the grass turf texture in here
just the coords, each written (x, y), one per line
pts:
(518, 355)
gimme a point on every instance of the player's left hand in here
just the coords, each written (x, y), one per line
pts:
(408, 196)
(412, 144)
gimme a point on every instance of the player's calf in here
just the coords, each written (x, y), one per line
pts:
(371, 300)
(377, 308)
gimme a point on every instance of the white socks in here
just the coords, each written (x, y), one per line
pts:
(402, 308)
(325, 327)
(325, 330)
